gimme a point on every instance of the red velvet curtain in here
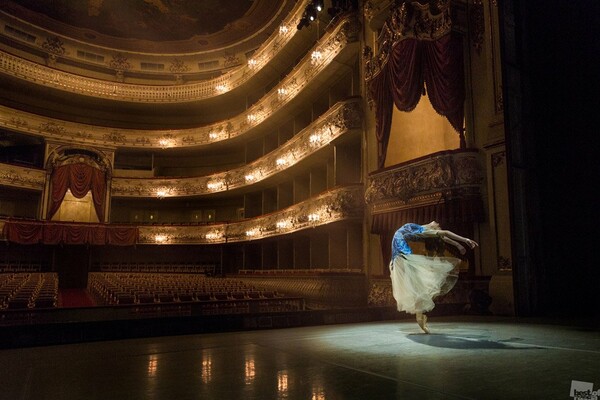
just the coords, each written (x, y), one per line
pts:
(413, 65)
(122, 235)
(80, 178)
(32, 232)
(23, 232)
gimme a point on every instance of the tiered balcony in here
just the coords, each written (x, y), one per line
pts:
(324, 52)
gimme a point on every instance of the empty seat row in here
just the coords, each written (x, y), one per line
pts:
(28, 290)
(186, 268)
(139, 288)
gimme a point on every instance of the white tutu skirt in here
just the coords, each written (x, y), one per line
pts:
(418, 279)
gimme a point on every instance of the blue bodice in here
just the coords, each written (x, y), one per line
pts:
(402, 236)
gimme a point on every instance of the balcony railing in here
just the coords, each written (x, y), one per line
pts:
(339, 120)
(180, 55)
(22, 177)
(444, 186)
(335, 205)
(327, 47)
(344, 117)
(338, 204)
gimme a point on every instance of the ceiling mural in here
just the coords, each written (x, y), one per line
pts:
(151, 26)
(153, 20)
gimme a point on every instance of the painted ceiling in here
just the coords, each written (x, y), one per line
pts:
(126, 24)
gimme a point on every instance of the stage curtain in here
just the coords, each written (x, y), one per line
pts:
(412, 66)
(80, 178)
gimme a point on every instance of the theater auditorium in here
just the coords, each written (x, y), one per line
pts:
(199, 199)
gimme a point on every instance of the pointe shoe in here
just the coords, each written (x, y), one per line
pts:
(422, 321)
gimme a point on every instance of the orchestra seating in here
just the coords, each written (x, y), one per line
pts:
(310, 271)
(28, 290)
(112, 288)
(19, 266)
(177, 268)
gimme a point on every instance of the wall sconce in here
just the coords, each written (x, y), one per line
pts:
(315, 139)
(314, 217)
(252, 232)
(163, 192)
(252, 63)
(166, 141)
(281, 162)
(251, 118)
(221, 88)
(250, 178)
(213, 135)
(316, 56)
(161, 238)
(214, 235)
(283, 29)
(281, 92)
(283, 224)
(215, 185)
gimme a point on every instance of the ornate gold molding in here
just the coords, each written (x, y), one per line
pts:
(154, 52)
(59, 154)
(22, 177)
(299, 79)
(425, 180)
(380, 293)
(342, 118)
(336, 205)
(329, 45)
(339, 120)
(375, 8)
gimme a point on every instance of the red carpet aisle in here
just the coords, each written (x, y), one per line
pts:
(74, 298)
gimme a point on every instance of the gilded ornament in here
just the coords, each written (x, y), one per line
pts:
(54, 46)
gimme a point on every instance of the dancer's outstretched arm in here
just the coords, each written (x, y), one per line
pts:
(453, 236)
(454, 243)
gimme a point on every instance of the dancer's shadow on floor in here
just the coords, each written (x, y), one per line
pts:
(461, 342)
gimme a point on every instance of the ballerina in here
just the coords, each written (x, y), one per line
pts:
(418, 279)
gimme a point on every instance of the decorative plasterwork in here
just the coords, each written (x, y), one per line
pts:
(408, 19)
(374, 9)
(299, 78)
(380, 293)
(329, 45)
(22, 177)
(54, 46)
(119, 62)
(498, 159)
(58, 155)
(425, 180)
(335, 205)
(178, 66)
(341, 119)
(239, 36)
